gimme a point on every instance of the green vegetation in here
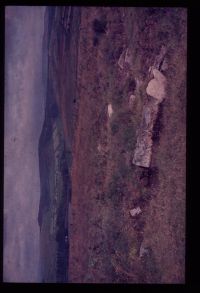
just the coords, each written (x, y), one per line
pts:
(115, 192)
(117, 100)
(99, 26)
(55, 183)
(114, 128)
(129, 138)
(125, 252)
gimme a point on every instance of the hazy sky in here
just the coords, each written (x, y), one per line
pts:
(24, 115)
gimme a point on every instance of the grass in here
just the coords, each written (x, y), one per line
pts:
(114, 128)
(99, 26)
(117, 100)
(115, 192)
(125, 252)
(129, 138)
(55, 181)
(132, 252)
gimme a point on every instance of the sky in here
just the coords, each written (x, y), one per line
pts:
(24, 116)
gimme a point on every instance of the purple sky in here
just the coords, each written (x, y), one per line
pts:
(24, 115)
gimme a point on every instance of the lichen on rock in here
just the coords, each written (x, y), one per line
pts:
(156, 89)
(156, 86)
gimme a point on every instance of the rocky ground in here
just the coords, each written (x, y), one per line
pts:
(125, 220)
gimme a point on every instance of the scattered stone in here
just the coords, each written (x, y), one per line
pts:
(159, 58)
(110, 110)
(138, 82)
(135, 211)
(131, 100)
(125, 57)
(164, 66)
(128, 57)
(143, 251)
(99, 148)
(121, 60)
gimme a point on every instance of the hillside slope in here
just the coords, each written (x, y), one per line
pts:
(107, 244)
(116, 109)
